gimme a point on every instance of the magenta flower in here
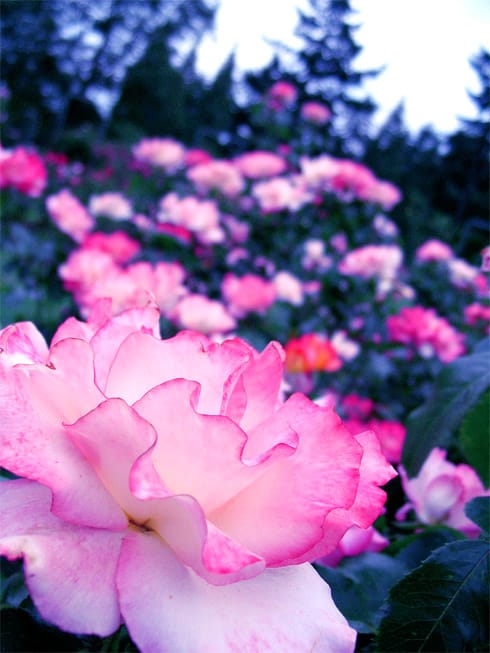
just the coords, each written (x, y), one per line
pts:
(165, 484)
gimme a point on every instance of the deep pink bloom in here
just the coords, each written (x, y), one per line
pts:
(23, 170)
(164, 483)
(69, 214)
(440, 491)
(194, 157)
(477, 314)
(118, 244)
(280, 95)
(428, 333)
(247, 294)
(259, 164)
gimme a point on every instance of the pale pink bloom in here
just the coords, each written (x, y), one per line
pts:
(247, 294)
(339, 242)
(281, 94)
(461, 273)
(344, 177)
(354, 542)
(259, 164)
(314, 255)
(239, 230)
(440, 491)
(384, 226)
(315, 112)
(69, 214)
(118, 244)
(222, 176)
(199, 313)
(163, 153)
(112, 205)
(289, 288)
(199, 216)
(381, 192)
(428, 333)
(161, 478)
(434, 250)
(379, 261)
(346, 348)
(280, 193)
(485, 264)
(83, 268)
(23, 170)
(164, 280)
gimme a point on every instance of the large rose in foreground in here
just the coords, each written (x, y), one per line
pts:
(166, 484)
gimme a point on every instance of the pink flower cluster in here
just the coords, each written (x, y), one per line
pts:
(440, 491)
(428, 333)
(23, 170)
(201, 217)
(69, 214)
(165, 153)
(158, 478)
(349, 180)
(91, 274)
(220, 175)
(379, 261)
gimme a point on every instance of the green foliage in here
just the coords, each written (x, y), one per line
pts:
(473, 437)
(478, 510)
(457, 389)
(442, 605)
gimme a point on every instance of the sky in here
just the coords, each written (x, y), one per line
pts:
(424, 45)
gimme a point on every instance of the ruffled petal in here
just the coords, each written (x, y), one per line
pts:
(70, 571)
(22, 343)
(167, 607)
(143, 362)
(34, 400)
(283, 513)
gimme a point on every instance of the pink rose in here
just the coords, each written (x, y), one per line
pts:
(69, 214)
(23, 170)
(354, 542)
(440, 491)
(163, 153)
(199, 313)
(259, 164)
(247, 294)
(315, 112)
(165, 484)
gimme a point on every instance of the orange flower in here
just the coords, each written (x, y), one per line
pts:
(311, 353)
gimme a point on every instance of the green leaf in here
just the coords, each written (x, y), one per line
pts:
(457, 389)
(473, 437)
(414, 549)
(442, 605)
(478, 510)
(360, 585)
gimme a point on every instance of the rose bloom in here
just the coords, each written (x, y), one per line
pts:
(434, 250)
(258, 164)
(118, 244)
(111, 205)
(199, 313)
(166, 485)
(195, 156)
(69, 215)
(391, 435)
(289, 288)
(384, 193)
(381, 261)
(163, 153)
(280, 193)
(280, 95)
(440, 491)
(311, 352)
(199, 216)
(247, 294)
(222, 176)
(354, 542)
(23, 170)
(477, 313)
(427, 332)
(315, 112)
(461, 273)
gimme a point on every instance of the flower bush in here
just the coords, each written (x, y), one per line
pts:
(206, 456)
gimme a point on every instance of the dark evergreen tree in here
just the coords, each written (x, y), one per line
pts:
(463, 189)
(328, 70)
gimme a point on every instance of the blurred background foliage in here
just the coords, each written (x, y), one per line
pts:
(76, 74)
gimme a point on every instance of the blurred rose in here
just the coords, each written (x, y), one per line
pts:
(23, 170)
(69, 214)
(247, 294)
(311, 353)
